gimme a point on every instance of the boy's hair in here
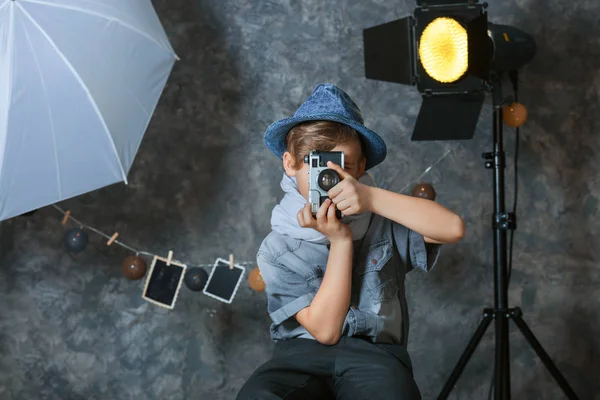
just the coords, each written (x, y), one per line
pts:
(321, 136)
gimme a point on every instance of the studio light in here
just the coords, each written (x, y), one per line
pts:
(449, 51)
(454, 56)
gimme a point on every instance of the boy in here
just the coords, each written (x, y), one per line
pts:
(335, 288)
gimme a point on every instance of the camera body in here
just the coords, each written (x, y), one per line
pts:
(322, 178)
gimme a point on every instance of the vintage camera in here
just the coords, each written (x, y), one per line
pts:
(321, 178)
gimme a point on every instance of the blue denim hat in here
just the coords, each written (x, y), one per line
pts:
(327, 103)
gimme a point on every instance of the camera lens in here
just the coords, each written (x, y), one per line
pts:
(328, 178)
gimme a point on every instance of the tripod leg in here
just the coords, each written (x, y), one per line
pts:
(502, 358)
(562, 382)
(464, 358)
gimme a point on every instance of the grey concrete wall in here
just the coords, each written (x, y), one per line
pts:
(203, 185)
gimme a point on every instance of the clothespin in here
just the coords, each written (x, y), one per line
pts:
(66, 218)
(112, 239)
(170, 257)
(231, 261)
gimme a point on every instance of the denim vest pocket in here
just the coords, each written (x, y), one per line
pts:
(377, 256)
(379, 278)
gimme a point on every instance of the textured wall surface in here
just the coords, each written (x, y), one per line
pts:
(203, 184)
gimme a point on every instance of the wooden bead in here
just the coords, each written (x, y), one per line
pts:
(134, 268)
(423, 190)
(514, 115)
(195, 279)
(76, 240)
(256, 281)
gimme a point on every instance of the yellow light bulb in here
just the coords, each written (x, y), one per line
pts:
(443, 50)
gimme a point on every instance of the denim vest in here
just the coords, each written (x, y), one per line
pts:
(293, 271)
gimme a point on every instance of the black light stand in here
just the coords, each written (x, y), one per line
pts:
(502, 222)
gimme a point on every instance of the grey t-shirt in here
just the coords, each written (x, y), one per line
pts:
(293, 271)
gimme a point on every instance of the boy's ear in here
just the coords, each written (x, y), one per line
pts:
(288, 164)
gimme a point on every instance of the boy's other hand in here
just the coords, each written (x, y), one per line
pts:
(350, 196)
(325, 222)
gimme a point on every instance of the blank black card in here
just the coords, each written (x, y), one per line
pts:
(163, 282)
(224, 281)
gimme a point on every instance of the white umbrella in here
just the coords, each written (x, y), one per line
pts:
(79, 82)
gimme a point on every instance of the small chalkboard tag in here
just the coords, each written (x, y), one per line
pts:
(163, 282)
(223, 281)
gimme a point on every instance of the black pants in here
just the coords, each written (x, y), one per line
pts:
(352, 369)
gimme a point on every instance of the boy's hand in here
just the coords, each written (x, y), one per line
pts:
(350, 196)
(325, 222)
